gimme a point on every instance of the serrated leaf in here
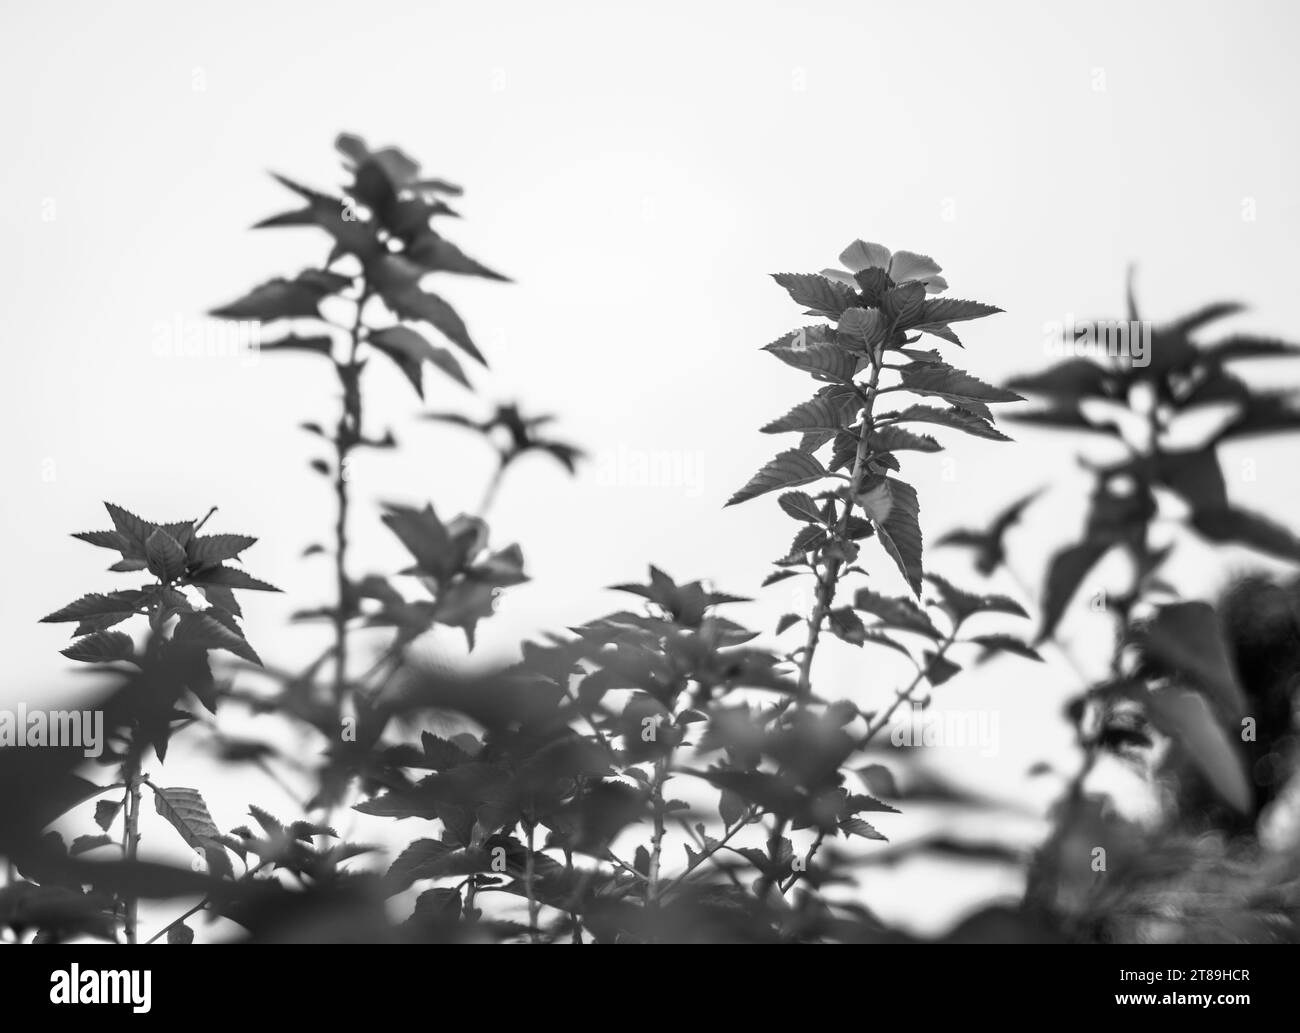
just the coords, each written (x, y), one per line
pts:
(846, 625)
(118, 605)
(101, 647)
(894, 509)
(827, 412)
(799, 505)
(941, 311)
(230, 577)
(812, 349)
(858, 827)
(188, 814)
(955, 385)
(788, 469)
(896, 612)
(879, 638)
(164, 555)
(957, 419)
(895, 439)
(207, 631)
(823, 296)
(214, 548)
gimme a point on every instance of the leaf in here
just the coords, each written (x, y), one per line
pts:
(956, 385)
(1243, 346)
(778, 575)
(1185, 718)
(1007, 644)
(317, 345)
(1204, 316)
(858, 827)
(788, 469)
(422, 859)
(879, 638)
(214, 548)
(941, 311)
(1232, 524)
(962, 604)
(896, 439)
(414, 303)
(939, 669)
(102, 647)
(165, 556)
(823, 296)
(829, 411)
(788, 620)
(436, 254)
(812, 350)
(894, 510)
(117, 605)
(1067, 569)
(1063, 419)
(1185, 640)
(207, 631)
(409, 350)
(801, 506)
(106, 813)
(285, 299)
(188, 814)
(862, 328)
(180, 933)
(84, 843)
(957, 419)
(1069, 380)
(845, 624)
(896, 612)
(230, 577)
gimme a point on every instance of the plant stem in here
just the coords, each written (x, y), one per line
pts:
(829, 579)
(346, 436)
(177, 921)
(904, 695)
(529, 872)
(657, 838)
(131, 840)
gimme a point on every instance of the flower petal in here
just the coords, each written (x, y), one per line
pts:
(840, 276)
(908, 265)
(860, 255)
(935, 284)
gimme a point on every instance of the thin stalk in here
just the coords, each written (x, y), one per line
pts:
(131, 840)
(346, 437)
(828, 580)
(534, 908)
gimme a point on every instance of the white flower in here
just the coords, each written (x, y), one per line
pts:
(900, 266)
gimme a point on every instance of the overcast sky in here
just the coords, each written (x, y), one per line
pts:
(639, 171)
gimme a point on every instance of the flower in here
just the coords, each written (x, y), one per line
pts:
(900, 266)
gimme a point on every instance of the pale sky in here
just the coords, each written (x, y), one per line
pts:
(639, 170)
